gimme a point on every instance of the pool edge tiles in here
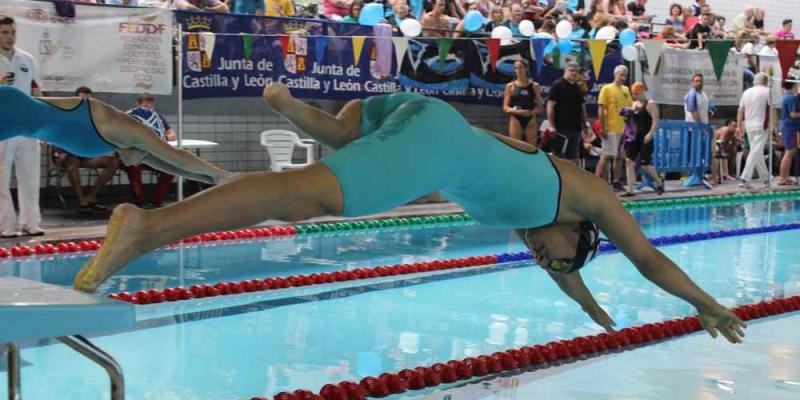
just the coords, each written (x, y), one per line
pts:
(766, 365)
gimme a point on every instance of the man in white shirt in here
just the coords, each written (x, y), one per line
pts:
(695, 102)
(752, 115)
(18, 69)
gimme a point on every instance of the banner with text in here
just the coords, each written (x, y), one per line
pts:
(333, 67)
(109, 49)
(674, 77)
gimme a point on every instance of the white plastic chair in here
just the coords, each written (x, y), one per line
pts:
(280, 145)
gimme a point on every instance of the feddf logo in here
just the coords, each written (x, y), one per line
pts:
(141, 28)
(41, 15)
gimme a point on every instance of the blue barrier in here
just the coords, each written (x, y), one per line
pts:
(682, 146)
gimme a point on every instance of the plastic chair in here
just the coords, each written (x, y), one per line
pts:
(280, 145)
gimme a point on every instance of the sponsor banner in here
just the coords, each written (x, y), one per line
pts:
(674, 77)
(109, 49)
(314, 62)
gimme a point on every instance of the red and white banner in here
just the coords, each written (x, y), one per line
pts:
(108, 49)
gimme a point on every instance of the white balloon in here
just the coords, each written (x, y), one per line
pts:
(526, 28)
(410, 27)
(630, 53)
(563, 29)
(607, 33)
(502, 32)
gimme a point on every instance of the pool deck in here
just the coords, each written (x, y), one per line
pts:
(70, 225)
(765, 366)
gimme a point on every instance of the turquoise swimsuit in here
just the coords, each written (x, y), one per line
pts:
(72, 130)
(411, 145)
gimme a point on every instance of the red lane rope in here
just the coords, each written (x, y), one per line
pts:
(257, 285)
(539, 355)
(92, 245)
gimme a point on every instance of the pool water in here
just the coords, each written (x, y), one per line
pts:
(235, 348)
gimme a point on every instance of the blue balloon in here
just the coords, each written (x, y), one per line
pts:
(473, 21)
(371, 14)
(627, 37)
(564, 46)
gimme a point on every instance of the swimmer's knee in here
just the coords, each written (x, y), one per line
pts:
(350, 116)
(310, 192)
(275, 95)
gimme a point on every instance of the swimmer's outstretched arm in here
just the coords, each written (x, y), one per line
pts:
(606, 210)
(574, 287)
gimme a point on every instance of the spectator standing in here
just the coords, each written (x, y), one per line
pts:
(640, 126)
(768, 49)
(496, 18)
(675, 18)
(202, 5)
(745, 21)
(700, 33)
(566, 112)
(725, 144)
(613, 98)
(718, 29)
(638, 11)
(522, 101)
(19, 69)
(336, 9)
(671, 39)
(785, 33)
(790, 128)
(400, 11)
(355, 11)
(758, 20)
(249, 7)
(697, 7)
(614, 7)
(516, 17)
(689, 19)
(146, 113)
(435, 23)
(484, 7)
(108, 164)
(752, 116)
(695, 102)
(279, 8)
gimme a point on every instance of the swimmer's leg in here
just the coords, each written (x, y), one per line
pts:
(243, 200)
(123, 131)
(334, 132)
(126, 133)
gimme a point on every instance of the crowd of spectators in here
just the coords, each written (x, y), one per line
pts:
(686, 25)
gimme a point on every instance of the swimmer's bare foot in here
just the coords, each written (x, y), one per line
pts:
(277, 96)
(123, 244)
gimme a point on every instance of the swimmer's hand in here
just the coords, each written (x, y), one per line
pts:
(719, 319)
(599, 315)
